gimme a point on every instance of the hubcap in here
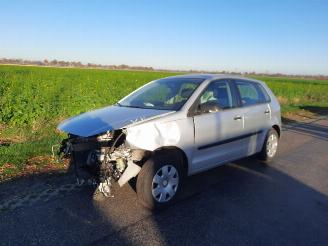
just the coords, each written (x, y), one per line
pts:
(272, 145)
(165, 183)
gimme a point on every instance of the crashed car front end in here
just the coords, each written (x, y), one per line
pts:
(99, 157)
(112, 143)
(102, 159)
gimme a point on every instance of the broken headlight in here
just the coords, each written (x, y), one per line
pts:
(105, 137)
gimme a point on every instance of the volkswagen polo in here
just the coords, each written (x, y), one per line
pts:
(172, 128)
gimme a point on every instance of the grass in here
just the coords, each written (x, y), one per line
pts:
(295, 94)
(33, 100)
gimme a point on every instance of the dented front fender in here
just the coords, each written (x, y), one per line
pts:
(158, 134)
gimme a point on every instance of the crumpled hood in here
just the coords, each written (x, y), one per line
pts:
(106, 119)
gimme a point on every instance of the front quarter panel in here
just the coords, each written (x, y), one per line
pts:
(156, 134)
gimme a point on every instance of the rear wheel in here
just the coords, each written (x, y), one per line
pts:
(270, 146)
(159, 180)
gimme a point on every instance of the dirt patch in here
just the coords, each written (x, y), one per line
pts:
(5, 142)
(282, 100)
(300, 116)
(305, 114)
(35, 165)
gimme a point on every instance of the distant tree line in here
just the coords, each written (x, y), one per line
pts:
(78, 64)
(58, 63)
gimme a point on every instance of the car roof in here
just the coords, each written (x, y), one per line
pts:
(212, 76)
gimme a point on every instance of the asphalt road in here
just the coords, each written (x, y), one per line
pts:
(242, 203)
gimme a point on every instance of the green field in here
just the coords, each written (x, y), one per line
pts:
(33, 100)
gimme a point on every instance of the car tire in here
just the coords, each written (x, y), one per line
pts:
(160, 179)
(270, 146)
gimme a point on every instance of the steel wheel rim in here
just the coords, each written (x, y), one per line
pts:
(165, 183)
(272, 145)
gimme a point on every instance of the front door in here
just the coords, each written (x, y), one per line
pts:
(217, 134)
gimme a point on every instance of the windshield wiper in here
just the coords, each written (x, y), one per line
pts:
(128, 106)
(133, 106)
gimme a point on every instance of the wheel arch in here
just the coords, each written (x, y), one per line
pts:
(277, 128)
(184, 159)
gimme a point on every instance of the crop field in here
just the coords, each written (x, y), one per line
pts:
(33, 100)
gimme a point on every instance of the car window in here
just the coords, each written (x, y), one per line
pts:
(251, 93)
(265, 94)
(218, 92)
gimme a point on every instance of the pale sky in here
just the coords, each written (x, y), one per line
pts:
(286, 36)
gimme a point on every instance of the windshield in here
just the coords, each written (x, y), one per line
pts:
(165, 94)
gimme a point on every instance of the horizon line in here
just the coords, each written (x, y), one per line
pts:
(89, 65)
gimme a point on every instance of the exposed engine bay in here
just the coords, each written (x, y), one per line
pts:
(102, 159)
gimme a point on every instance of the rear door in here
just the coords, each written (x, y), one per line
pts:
(217, 134)
(257, 113)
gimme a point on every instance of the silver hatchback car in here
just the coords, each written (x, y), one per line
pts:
(171, 128)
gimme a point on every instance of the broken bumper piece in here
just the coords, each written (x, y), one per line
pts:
(102, 160)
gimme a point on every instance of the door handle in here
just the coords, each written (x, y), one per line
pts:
(267, 111)
(237, 117)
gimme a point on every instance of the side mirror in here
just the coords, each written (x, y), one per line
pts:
(208, 107)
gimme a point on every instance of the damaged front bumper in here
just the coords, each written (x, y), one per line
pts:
(102, 159)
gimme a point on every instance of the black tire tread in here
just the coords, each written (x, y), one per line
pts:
(145, 176)
(263, 154)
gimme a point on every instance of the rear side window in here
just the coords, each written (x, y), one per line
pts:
(251, 93)
(264, 92)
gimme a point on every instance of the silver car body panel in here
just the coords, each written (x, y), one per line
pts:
(207, 140)
(174, 130)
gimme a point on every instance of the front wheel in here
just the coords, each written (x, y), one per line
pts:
(159, 180)
(270, 146)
